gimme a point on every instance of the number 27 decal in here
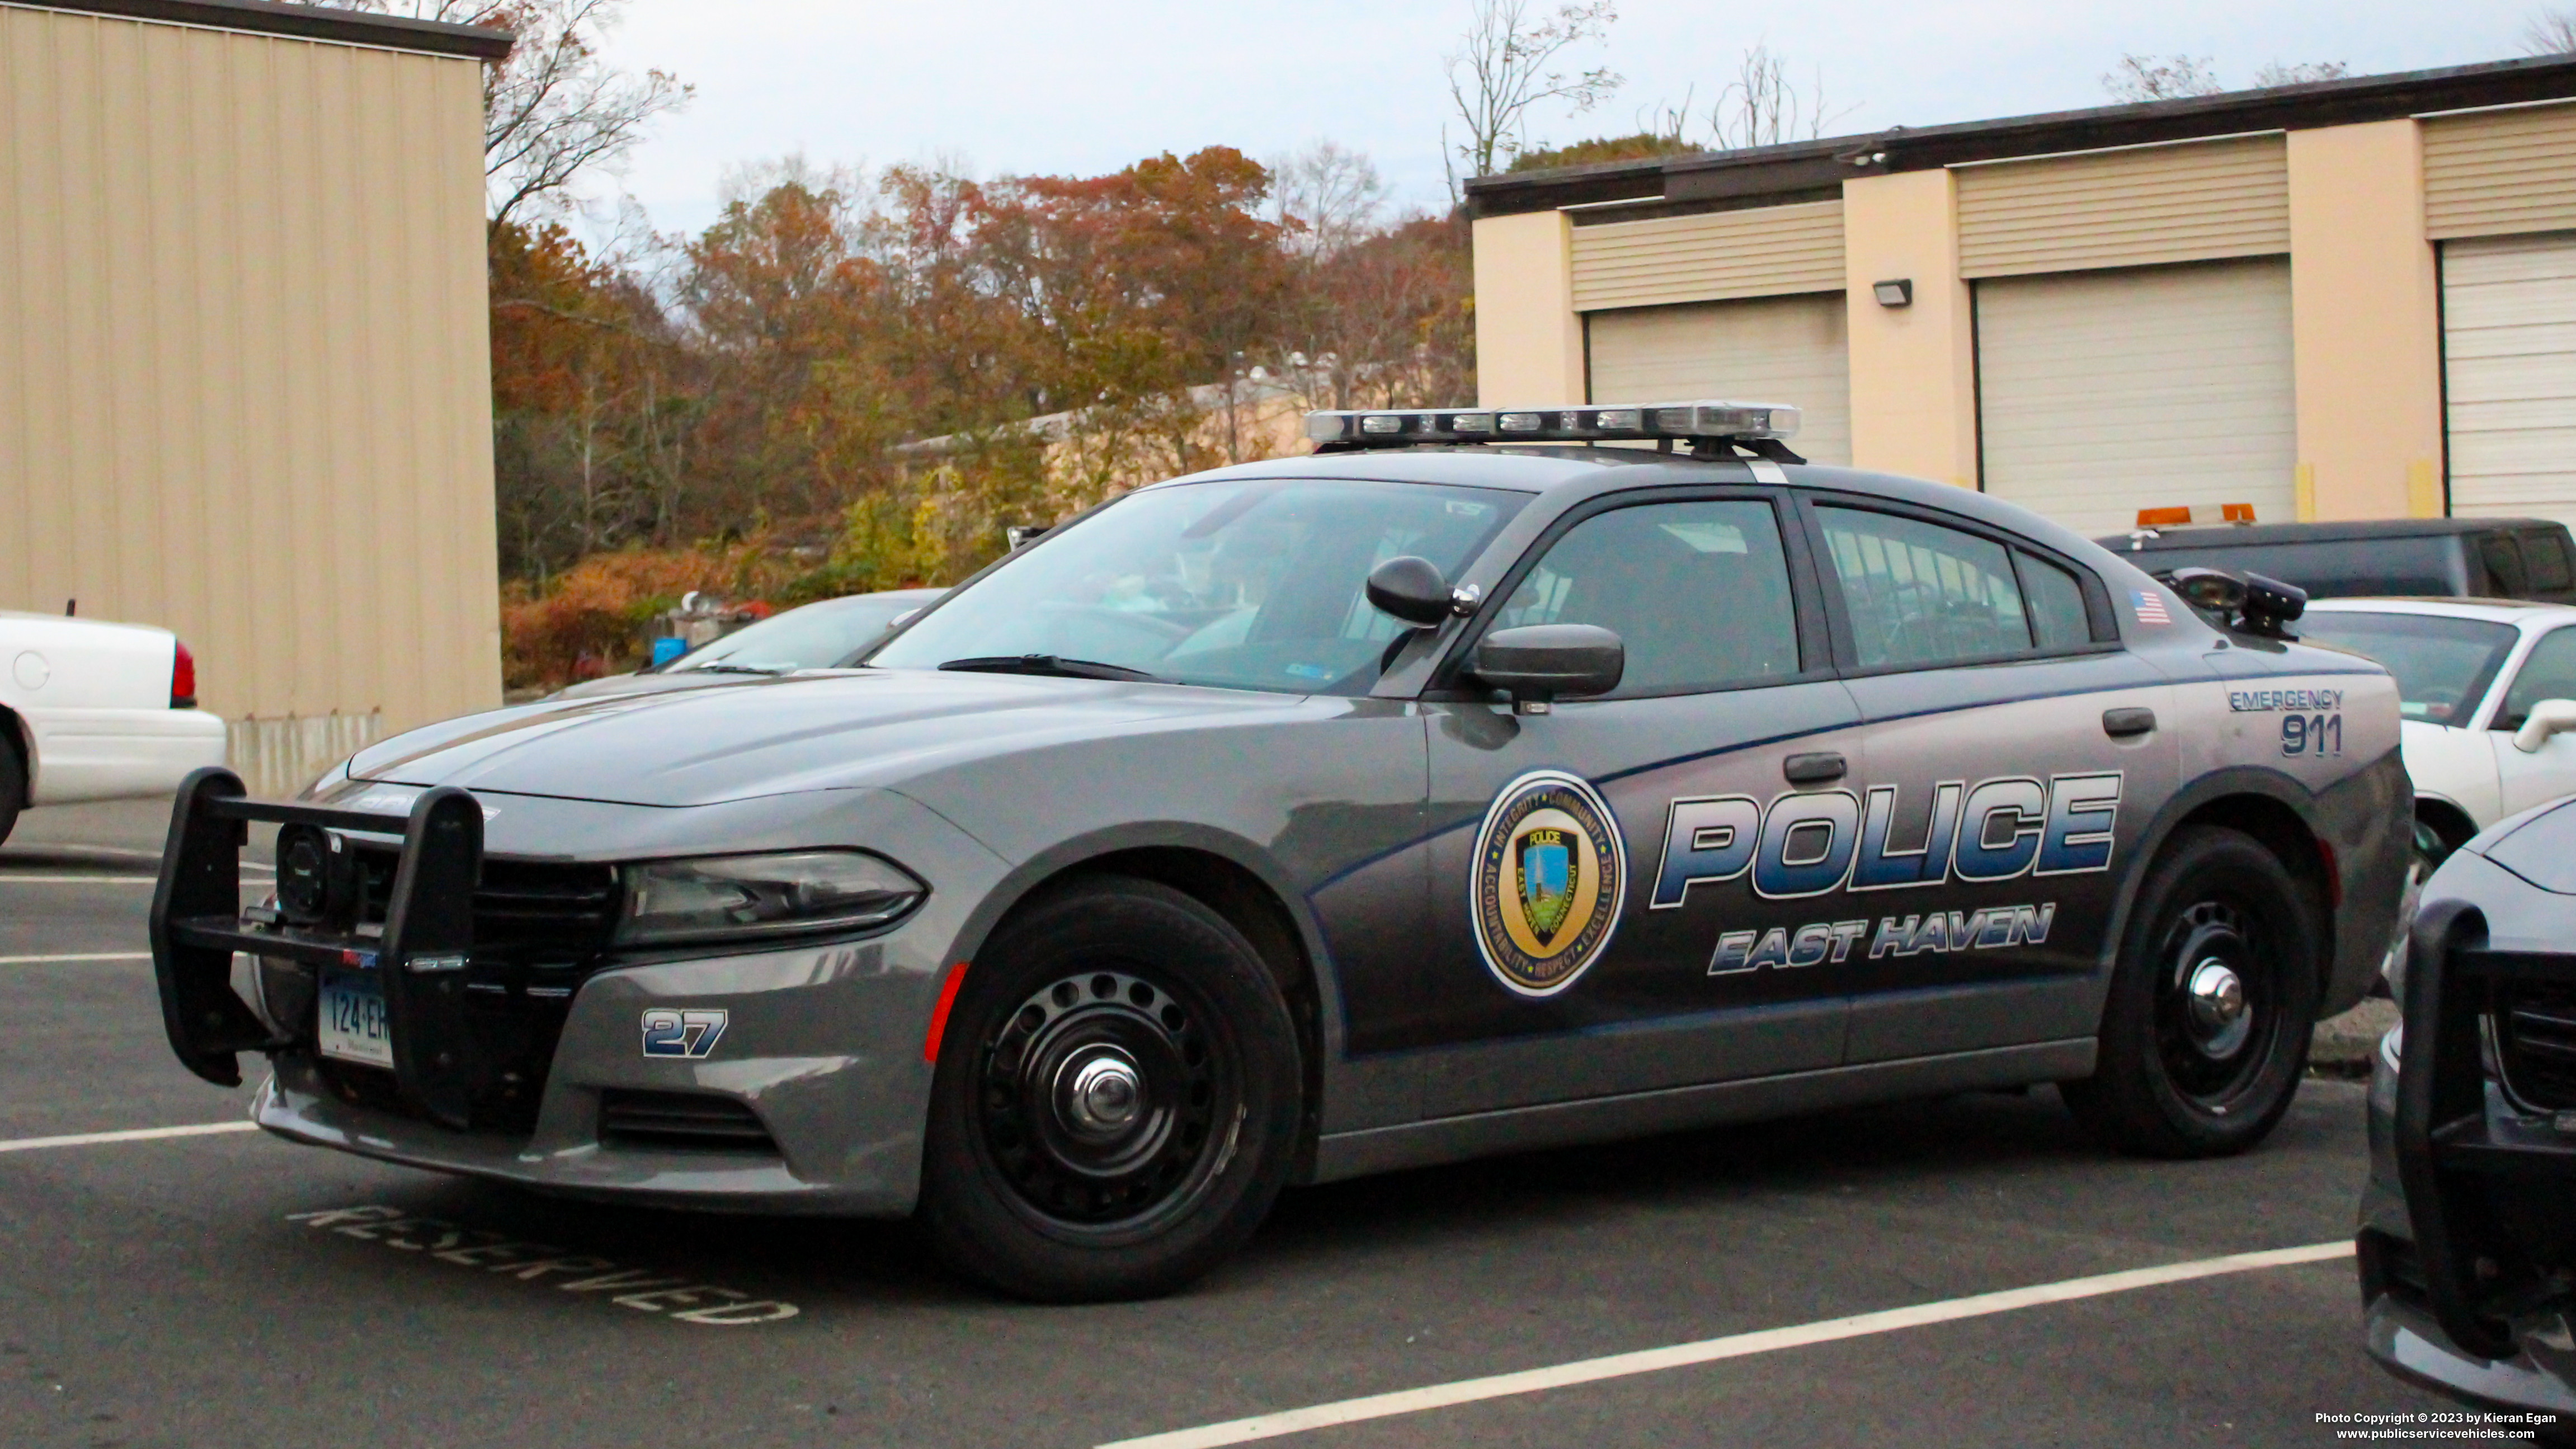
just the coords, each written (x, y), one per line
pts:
(2312, 734)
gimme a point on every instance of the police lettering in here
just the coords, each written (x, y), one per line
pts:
(1810, 842)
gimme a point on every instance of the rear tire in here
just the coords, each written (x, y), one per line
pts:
(2205, 1035)
(13, 783)
(1117, 1098)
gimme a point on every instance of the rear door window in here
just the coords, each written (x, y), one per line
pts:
(1918, 595)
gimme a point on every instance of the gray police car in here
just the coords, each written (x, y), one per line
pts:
(1424, 797)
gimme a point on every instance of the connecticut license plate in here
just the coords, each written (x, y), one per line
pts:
(353, 1018)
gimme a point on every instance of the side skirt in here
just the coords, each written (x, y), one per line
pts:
(1640, 1114)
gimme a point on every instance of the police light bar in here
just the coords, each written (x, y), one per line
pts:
(1693, 421)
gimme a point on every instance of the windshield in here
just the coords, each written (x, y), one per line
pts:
(816, 636)
(2443, 665)
(1251, 584)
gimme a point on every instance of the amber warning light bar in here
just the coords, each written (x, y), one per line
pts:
(1751, 424)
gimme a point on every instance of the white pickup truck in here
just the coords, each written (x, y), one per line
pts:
(91, 710)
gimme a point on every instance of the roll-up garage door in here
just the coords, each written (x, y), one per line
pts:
(1763, 349)
(2509, 375)
(2100, 393)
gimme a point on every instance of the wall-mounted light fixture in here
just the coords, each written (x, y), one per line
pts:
(1898, 293)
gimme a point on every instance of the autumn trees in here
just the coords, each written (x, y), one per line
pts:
(871, 375)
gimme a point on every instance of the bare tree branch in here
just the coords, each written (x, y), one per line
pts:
(2161, 78)
(1501, 70)
(2304, 73)
(2550, 32)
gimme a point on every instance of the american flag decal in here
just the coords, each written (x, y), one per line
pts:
(2150, 609)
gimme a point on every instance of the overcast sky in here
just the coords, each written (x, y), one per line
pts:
(1013, 86)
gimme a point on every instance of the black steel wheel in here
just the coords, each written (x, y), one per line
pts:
(2205, 1033)
(1104, 1104)
(1116, 1101)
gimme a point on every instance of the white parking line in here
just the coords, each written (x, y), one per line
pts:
(1769, 1340)
(139, 1134)
(76, 956)
(8, 879)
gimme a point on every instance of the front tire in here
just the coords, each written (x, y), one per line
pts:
(2205, 1034)
(1117, 1098)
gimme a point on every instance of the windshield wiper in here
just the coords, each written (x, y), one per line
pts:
(1048, 664)
(734, 669)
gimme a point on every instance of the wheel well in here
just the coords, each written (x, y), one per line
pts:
(2278, 829)
(2448, 820)
(1250, 906)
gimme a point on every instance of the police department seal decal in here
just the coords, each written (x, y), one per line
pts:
(1550, 875)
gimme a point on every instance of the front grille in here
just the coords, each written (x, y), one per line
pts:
(2535, 1036)
(687, 1121)
(525, 910)
(539, 930)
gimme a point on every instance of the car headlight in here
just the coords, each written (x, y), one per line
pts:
(727, 897)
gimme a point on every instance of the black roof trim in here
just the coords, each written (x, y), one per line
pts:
(308, 22)
(1806, 165)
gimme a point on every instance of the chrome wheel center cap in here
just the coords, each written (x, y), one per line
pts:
(2218, 1012)
(1100, 1094)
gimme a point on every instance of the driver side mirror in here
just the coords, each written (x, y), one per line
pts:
(2549, 717)
(1537, 663)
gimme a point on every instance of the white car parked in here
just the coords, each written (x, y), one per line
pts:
(91, 710)
(2488, 691)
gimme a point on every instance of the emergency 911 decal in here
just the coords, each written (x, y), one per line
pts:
(2311, 719)
(1551, 874)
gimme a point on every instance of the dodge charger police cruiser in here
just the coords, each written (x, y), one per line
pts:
(1483, 780)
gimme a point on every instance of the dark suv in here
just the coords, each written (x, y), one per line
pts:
(2490, 558)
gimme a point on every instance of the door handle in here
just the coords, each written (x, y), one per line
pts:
(1813, 769)
(2121, 724)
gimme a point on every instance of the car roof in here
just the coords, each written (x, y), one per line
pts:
(1578, 468)
(2238, 535)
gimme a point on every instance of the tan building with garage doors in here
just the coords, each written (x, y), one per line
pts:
(2352, 299)
(245, 386)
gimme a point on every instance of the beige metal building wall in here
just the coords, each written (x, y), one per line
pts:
(1761, 251)
(2494, 173)
(244, 370)
(2189, 202)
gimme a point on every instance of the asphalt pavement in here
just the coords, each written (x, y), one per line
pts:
(228, 1288)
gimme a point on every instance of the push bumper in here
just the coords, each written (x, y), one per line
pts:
(811, 1098)
(2461, 1285)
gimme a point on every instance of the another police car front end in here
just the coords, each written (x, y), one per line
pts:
(1417, 799)
(2467, 1243)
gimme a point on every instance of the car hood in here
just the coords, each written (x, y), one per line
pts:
(2541, 848)
(770, 737)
